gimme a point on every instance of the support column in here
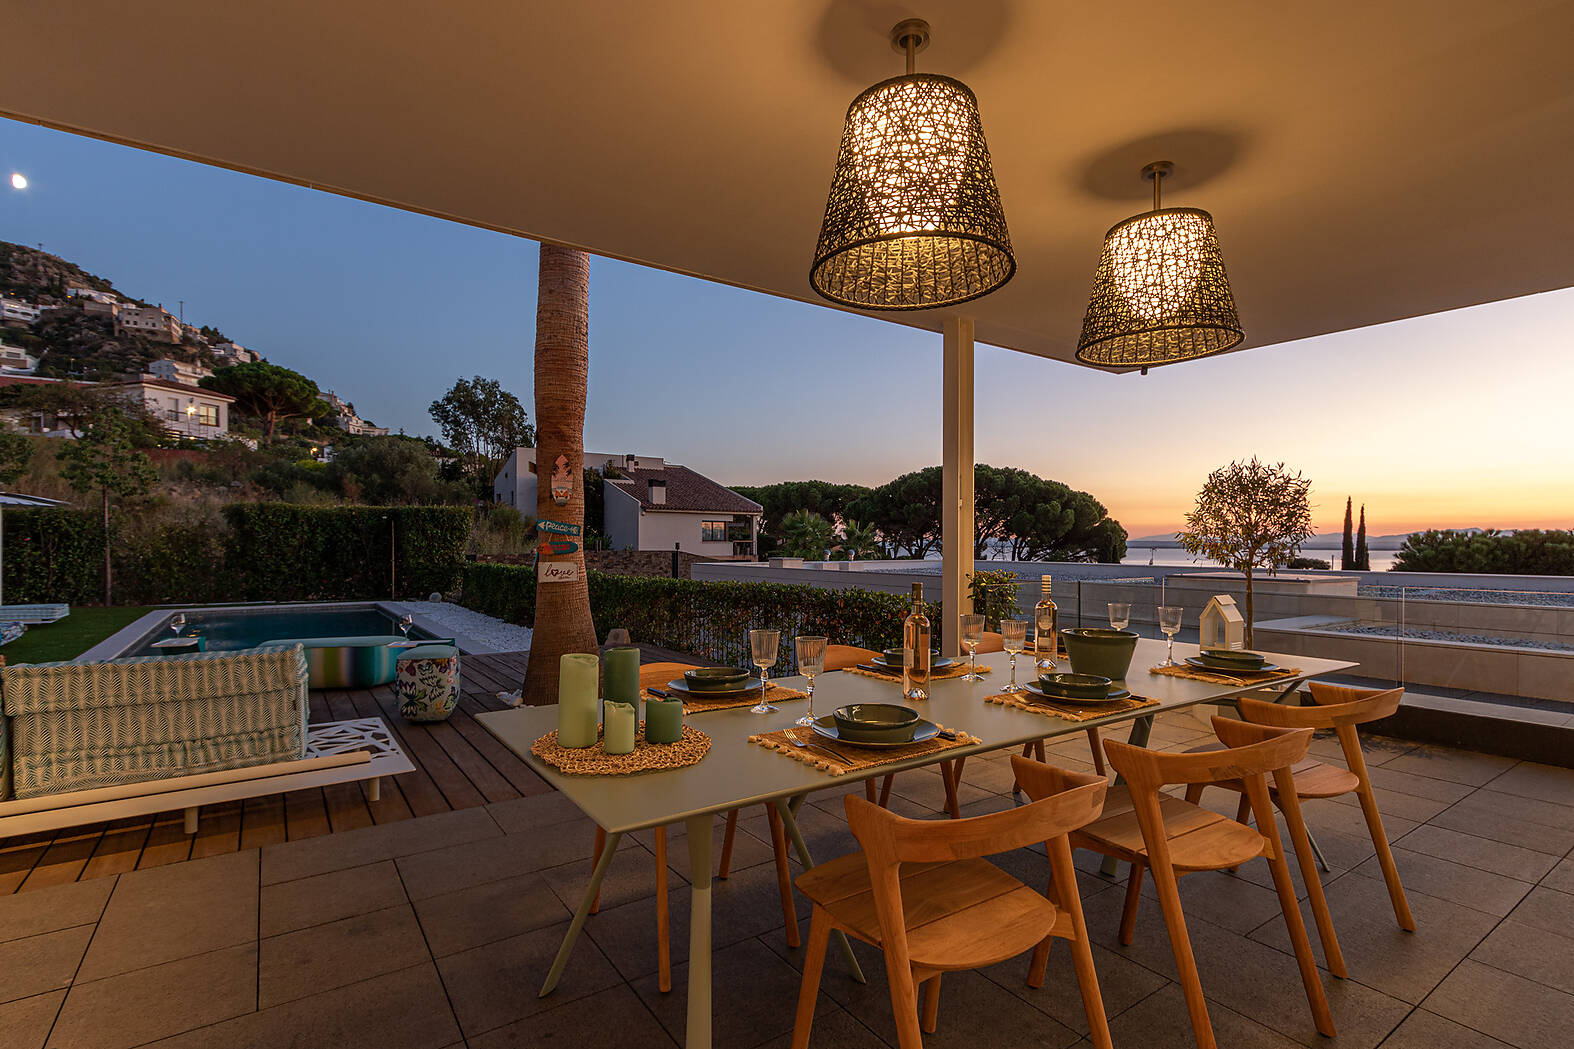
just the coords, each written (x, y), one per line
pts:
(956, 493)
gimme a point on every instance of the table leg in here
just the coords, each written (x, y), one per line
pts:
(591, 892)
(1141, 729)
(787, 810)
(697, 1029)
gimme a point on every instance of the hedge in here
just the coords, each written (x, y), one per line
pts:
(711, 620)
(1529, 551)
(253, 552)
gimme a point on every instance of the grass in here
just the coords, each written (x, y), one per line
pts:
(70, 637)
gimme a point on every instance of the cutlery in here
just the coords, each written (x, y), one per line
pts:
(659, 693)
(792, 738)
(877, 670)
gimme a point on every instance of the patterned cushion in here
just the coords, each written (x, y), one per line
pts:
(428, 685)
(39, 687)
(36, 776)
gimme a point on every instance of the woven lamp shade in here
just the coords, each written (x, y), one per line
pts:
(1160, 294)
(913, 220)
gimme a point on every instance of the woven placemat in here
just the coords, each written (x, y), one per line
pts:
(839, 758)
(938, 675)
(646, 757)
(693, 705)
(1221, 677)
(1068, 711)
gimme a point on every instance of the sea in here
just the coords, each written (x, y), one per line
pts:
(1171, 557)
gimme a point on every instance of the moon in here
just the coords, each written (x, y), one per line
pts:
(18, 180)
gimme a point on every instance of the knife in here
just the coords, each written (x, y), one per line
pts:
(877, 670)
(659, 693)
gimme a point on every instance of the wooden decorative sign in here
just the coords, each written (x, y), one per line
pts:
(562, 481)
(557, 571)
(558, 547)
(557, 527)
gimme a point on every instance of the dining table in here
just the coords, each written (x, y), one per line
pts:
(736, 773)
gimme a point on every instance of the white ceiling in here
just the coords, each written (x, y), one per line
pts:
(1364, 161)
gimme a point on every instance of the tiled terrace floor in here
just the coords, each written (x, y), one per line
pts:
(435, 932)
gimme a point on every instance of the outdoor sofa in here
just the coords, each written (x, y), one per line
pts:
(349, 662)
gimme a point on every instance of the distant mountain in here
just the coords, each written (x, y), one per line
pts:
(1324, 541)
(39, 277)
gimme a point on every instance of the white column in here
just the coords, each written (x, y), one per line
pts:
(956, 494)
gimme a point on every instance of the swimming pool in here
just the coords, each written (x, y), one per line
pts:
(227, 629)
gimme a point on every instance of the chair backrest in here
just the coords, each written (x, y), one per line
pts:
(1338, 707)
(1358, 705)
(1250, 750)
(1063, 802)
(840, 657)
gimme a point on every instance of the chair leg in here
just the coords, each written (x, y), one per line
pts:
(904, 1005)
(931, 1004)
(663, 938)
(1128, 915)
(1194, 793)
(1185, 963)
(1304, 959)
(726, 845)
(783, 874)
(1385, 856)
(1096, 745)
(885, 790)
(1069, 900)
(1243, 810)
(951, 775)
(869, 790)
(1290, 805)
(595, 858)
(1027, 752)
(813, 966)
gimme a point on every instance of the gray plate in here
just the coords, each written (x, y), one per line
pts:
(826, 726)
(681, 687)
(1116, 694)
(943, 663)
(1266, 668)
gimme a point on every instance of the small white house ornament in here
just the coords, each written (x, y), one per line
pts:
(1222, 625)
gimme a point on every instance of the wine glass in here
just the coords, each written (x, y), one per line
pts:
(177, 623)
(1013, 632)
(1170, 623)
(1119, 615)
(406, 621)
(811, 661)
(762, 647)
(972, 634)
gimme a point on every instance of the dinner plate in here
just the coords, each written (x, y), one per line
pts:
(944, 663)
(1266, 668)
(1116, 694)
(826, 726)
(682, 687)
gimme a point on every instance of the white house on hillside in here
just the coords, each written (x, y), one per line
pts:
(185, 373)
(152, 321)
(189, 411)
(651, 504)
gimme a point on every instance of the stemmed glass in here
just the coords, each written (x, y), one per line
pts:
(1119, 615)
(406, 621)
(762, 647)
(972, 635)
(177, 622)
(1013, 632)
(1170, 623)
(811, 661)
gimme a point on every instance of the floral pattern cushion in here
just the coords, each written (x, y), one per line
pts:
(428, 685)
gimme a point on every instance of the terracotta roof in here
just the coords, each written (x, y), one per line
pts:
(686, 491)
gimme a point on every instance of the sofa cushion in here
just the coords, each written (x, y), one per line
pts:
(40, 687)
(369, 641)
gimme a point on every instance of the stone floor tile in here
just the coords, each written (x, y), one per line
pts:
(1544, 782)
(46, 962)
(1511, 861)
(834, 1028)
(1505, 826)
(25, 1023)
(356, 848)
(626, 934)
(748, 850)
(309, 961)
(145, 1004)
(1122, 984)
(1525, 1014)
(753, 996)
(496, 984)
(1160, 1021)
(477, 862)
(1385, 778)
(287, 906)
(1456, 882)
(1488, 804)
(58, 907)
(458, 921)
(1226, 900)
(992, 777)
(532, 813)
(610, 1019)
(164, 913)
(1323, 817)
(402, 1010)
(632, 876)
(1561, 877)
(1377, 750)
(1380, 954)
(1548, 909)
(1532, 951)
(1424, 1030)
(1409, 807)
(929, 791)
(1454, 765)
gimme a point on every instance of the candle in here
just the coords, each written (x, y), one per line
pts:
(577, 700)
(622, 670)
(618, 733)
(663, 720)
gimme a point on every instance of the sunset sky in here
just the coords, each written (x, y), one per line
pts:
(1454, 420)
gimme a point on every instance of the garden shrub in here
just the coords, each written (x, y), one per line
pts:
(1529, 551)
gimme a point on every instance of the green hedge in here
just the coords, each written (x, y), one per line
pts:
(1528, 551)
(710, 620)
(53, 555)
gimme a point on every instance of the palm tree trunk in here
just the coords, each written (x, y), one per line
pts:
(563, 621)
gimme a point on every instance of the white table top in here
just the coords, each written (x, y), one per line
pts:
(738, 773)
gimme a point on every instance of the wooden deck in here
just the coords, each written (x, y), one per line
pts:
(458, 765)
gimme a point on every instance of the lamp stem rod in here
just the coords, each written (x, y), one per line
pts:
(911, 43)
(1158, 180)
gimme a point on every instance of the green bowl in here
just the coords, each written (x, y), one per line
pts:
(1100, 651)
(1075, 686)
(894, 657)
(875, 723)
(718, 679)
(1232, 657)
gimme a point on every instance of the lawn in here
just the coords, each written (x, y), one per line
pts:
(71, 636)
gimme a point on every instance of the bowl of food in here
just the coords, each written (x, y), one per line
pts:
(875, 723)
(1100, 651)
(1075, 686)
(715, 679)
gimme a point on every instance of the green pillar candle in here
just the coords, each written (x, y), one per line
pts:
(663, 720)
(618, 733)
(622, 670)
(578, 695)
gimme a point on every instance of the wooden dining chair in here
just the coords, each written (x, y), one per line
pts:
(922, 892)
(1157, 832)
(840, 657)
(1340, 708)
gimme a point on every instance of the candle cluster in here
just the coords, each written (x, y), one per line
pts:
(584, 706)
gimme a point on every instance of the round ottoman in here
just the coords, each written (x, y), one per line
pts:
(427, 682)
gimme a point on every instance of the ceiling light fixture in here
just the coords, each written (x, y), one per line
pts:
(1160, 294)
(913, 220)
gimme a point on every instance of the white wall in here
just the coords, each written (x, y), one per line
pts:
(621, 518)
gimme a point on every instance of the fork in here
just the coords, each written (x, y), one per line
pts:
(800, 744)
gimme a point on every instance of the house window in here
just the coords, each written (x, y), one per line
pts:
(208, 415)
(713, 531)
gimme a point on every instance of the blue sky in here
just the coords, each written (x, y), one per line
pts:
(1419, 419)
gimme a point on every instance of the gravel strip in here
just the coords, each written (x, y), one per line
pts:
(505, 637)
(1412, 634)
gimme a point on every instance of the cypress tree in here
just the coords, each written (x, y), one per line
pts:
(1363, 560)
(1347, 553)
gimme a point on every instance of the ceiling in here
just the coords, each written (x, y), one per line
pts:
(1364, 162)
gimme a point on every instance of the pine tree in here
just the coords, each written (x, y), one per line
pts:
(1363, 560)
(1347, 554)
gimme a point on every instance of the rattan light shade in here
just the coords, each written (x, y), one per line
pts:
(913, 220)
(1160, 294)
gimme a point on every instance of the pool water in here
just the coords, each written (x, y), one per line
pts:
(229, 629)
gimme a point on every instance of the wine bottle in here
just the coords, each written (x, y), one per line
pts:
(915, 649)
(1045, 622)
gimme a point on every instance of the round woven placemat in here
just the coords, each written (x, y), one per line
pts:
(647, 757)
